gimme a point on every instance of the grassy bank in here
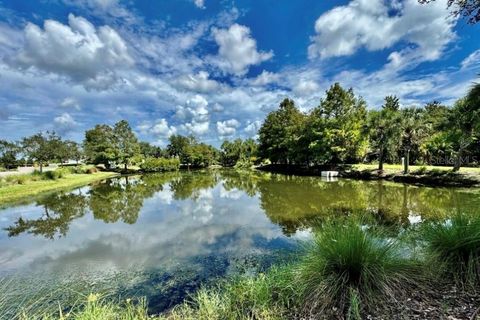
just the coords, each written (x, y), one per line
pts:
(419, 175)
(350, 269)
(16, 188)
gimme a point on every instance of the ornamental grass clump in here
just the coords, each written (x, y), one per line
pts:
(453, 246)
(350, 268)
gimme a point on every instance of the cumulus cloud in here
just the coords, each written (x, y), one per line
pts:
(227, 127)
(252, 127)
(264, 78)
(160, 129)
(377, 24)
(472, 60)
(64, 122)
(70, 102)
(305, 88)
(198, 82)
(79, 51)
(199, 3)
(237, 50)
(195, 114)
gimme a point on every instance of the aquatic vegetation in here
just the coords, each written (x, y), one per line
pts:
(348, 262)
(454, 244)
(266, 296)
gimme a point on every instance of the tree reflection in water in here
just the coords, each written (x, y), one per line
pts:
(292, 202)
(60, 210)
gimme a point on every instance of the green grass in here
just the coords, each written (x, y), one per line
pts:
(346, 262)
(266, 296)
(398, 168)
(348, 269)
(453, 246)
(31, 186)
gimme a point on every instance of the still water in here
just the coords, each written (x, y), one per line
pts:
(163, 235)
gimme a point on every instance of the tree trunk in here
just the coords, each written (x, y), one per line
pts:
(125, 166)
(41, 166)
(458, 160)
(380, 160)
(407, 161)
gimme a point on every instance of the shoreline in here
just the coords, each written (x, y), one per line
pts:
(16, 193)
(436, 177)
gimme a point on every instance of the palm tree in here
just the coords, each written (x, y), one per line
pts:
(414, 130)
(466, 120)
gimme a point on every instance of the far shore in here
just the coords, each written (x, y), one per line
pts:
(419, 175)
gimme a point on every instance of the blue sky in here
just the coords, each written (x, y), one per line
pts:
(215, 68)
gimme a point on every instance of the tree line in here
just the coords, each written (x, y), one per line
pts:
(340, 130)
(111, 146)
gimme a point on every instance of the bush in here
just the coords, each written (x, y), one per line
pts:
(454, 246)
(56, 174)
(420, 171)
(91, 170)
(261, 297)
(17, 179)
(347, 266)
(160, 164)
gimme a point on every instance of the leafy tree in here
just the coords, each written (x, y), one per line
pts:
(99, 145)
(8, 154)
(42, 147)
(238, 150)
(201, 155)
(148, 150)
(126, 142)
(69, 150)
(384, 129)
(179, 147)
(337, 127)
(466, 122)
(414, 130)
(469, 9)
(280, 132)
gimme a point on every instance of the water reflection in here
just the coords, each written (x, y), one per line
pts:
(293, 203)
(163, 235)
(59, 210)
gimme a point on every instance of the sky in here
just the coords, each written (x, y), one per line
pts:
(215, 68)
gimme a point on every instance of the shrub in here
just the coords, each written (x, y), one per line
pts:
(160, 164)
(91, 170)
(420, 171)
(454, 245)
(245, 297)
(55, 174)
(17, 179)
(347, 266)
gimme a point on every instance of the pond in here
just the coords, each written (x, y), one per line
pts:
(162, 236)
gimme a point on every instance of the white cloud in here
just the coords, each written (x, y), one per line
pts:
(195, 114)
(78, 51)
(252, 127)
(198, 82)
(305, 88)
(104, 8)
(200, 3)
(237, 50)
(370, 24)
(227, 127)
(264, 78)
(160, 129)
(473, 60)
(64, 122)
(70, 102)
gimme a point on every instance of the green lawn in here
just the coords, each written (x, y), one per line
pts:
(397, 168)
(12, 193)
